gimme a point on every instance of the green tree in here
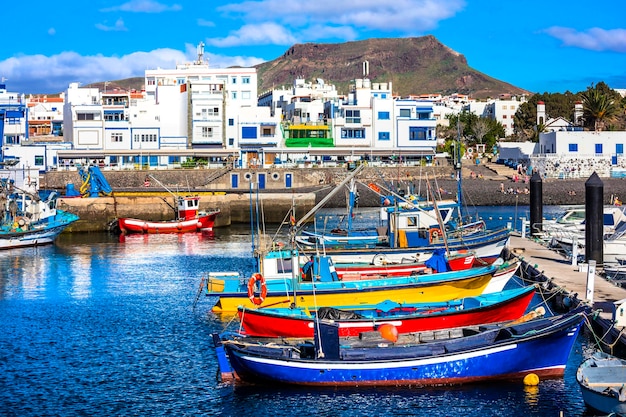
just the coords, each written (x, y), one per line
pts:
(600, 106)
(557, 105)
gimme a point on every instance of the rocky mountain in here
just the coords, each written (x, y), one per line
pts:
(414, 65)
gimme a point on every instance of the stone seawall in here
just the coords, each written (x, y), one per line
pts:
(310, 186)
(96, 214)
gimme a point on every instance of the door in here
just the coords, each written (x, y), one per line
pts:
(288, 180)
(234, 180)
(261, 179)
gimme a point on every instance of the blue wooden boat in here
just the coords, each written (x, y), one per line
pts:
(452, 356)
(602, 380)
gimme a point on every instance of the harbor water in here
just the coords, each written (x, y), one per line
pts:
(95, 325)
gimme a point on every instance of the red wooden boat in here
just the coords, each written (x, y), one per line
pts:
(188, 219)
(380, 268)
(298, 322)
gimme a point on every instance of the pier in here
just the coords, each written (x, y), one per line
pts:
(569, 281)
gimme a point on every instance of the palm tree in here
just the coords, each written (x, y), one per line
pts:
(599, 108)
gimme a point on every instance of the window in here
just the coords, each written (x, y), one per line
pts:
(598, 148)
(383, 115)
(249, 132)
(39, 160)
(207, 132)
(383, 135)
(417, 133)
(231, 142)
(619, 148)
(233, 95)
(85, 116)
(353, 133)
(573, 147)
(213, 111)
(504, 116)
(353, 116)
(245, 80)
(117, 137)
(233, 80)
(405, 112)
(231, 122)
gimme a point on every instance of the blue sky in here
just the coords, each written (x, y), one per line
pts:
(541, 46)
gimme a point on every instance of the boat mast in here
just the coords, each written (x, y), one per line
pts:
(457, 166)
(329, 196)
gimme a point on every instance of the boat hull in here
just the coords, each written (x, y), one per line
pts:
(406, 318)
(414, 289)
(202, 222)
(429, 365)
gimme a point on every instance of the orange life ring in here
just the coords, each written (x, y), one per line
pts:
(434, 233)
(256, 277)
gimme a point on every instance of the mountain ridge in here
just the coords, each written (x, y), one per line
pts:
(417, 65)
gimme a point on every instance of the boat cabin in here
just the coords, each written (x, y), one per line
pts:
(188, 207)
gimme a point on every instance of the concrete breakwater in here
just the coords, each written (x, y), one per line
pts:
(96, 214)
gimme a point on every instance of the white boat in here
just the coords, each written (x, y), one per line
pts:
(27, 219)
(602, 380)
(569, 230)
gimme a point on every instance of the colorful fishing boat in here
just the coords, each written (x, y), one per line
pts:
(188, 219)
(380, 267)
(28, 218)
(602, 380)
(507, 351)
(487, 246)
(406, 318)
(325, 288)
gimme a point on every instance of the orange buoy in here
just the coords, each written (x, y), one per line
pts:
(389, 332)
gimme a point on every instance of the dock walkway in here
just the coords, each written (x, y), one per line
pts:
(560, 269)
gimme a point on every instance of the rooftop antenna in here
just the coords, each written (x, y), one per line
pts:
(200, 52)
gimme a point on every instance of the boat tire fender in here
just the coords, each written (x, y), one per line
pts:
(256, 277)
(434, 233)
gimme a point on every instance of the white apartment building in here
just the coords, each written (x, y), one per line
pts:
(501, 110)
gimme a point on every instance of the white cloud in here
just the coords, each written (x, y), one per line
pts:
(53, 74)
(261, 34)
(205, 23)
(143, 6)
(595, 39)
(117, 27)
(405, 16)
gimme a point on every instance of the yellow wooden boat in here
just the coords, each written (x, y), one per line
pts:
(324, 288)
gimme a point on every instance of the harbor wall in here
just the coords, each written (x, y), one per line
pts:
(97, 214)
(309, 186)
